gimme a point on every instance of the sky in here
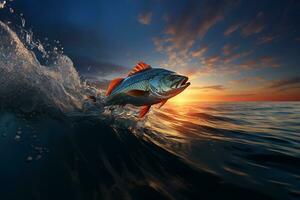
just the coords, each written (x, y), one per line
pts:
(231, 50)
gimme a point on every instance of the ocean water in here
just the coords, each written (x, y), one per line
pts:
(55, 144)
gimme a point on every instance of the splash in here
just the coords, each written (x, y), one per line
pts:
(2, 4)
(29, 86)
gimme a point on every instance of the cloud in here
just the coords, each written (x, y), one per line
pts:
(249, 64)
(255, 26)
(212, 59)
(229, 48)
(210, 64)
(288, 82)
(199, 52)
(266, 39)
(254, 79)
(211, 87)
(297, 87)
(197, 18)
(159, 44)
(231, 29)
(185, 28)
(239, 95)
(145, 18)
(236, 56)
(212, 15)
(259, 63)
(268, 61)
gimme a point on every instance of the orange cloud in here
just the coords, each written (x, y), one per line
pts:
(249, 64)
(283, 83)
(237, 56)
(280, 90)
(255, 26)
(184, 29)
(266, 39)
(268, 61)
(265, 95)
(199, 52)
(229, 48)
(231, 29)
(262, 62)
(145, 18)
(256, 79)
(210, 87)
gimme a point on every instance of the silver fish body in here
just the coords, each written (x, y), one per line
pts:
(152, 86)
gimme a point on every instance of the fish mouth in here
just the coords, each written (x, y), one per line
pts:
(180, 82)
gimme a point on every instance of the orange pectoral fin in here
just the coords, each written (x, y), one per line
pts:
(144, 110)
(138, 93)
(162, 103)
(112, 85)
(141, 66)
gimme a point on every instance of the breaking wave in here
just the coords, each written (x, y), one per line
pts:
(30, 86)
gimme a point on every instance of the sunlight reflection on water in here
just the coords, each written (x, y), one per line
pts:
(251, 143)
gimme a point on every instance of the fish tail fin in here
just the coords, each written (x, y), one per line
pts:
(112, 85)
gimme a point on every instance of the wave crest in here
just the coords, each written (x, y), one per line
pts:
(28, 86)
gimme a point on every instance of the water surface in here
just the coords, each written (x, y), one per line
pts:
(208, 150)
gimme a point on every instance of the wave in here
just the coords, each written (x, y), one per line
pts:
(28, 86)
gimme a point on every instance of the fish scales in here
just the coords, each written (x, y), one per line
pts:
(164, 85)
(137, 81)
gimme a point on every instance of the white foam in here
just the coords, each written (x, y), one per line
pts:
(27, 85)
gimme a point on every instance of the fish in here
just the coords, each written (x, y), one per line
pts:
(145, 86)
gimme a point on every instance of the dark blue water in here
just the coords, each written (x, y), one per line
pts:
(203, 151)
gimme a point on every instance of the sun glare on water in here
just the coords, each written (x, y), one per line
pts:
(186, 97)
(178, 100)
(182, 98)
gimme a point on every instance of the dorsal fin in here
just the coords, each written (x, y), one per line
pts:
(141, 66)
(113, 84)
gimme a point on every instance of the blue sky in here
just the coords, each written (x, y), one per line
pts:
(227, 47)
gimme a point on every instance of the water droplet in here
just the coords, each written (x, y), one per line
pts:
(17, 138)
(2, 4)
(38, 157)
(29, 159)
(23, 22)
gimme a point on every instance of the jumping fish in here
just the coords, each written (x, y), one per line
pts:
(145, 86)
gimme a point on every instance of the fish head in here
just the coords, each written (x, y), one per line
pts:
(168, 84)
